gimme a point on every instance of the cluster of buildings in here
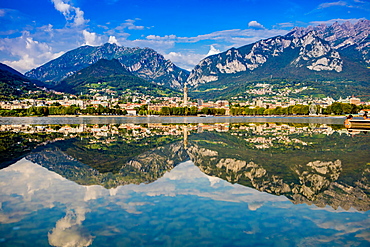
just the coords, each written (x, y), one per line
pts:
(286, 102)
(265, 95)
(156, 104)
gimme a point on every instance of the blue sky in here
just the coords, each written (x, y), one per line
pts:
(34, 32)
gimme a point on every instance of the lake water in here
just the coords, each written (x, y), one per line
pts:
(217, 181)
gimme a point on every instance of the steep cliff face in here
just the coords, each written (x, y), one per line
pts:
(303, 50)
(144, 63)
(343, 36)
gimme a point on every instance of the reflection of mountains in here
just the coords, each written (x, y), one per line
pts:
(328, 173)
(334, 178)
(125, 164)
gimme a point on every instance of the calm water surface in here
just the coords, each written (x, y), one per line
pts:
(183, 182)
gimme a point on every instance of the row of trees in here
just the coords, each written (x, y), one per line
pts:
(335, 108)
(184, 111)
(180, 111)
(101, 110)
(343, 108)
(291, 110)
(62, 110)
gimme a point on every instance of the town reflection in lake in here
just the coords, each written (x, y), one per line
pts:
(226, 184)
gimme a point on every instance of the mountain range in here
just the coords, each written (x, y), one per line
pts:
(144, 63)
(338, 53)
(329, 60)
(334, 48)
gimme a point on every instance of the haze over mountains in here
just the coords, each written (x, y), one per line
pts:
(337, 53)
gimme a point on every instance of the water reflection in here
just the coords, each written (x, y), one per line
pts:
(306, 163)
(179, 184)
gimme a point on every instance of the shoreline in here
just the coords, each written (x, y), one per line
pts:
(178, 116)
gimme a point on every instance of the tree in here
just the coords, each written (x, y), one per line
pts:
(193, 110)
(336, 108)
(165, 110)
(205, 110)
(260, 111)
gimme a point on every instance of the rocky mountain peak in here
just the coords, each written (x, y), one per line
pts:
(338, 35)
(314, 48)
(142, 62)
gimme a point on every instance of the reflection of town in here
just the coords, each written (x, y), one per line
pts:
(257, 135)
(260, 136)
(143, 130)
(134, 130)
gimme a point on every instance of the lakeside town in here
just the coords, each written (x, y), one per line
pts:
(140, 104)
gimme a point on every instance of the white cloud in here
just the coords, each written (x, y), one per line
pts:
(47, 28)
(166, 37)
(29, 53)
(71, 13)
(213, 51)
(286, 25)
(188, 60)
(347, 4)
(331, 4)
(61, 6)
(185, 60)
(44, 43)
(161, 46)
(91, 38)
(69, 230)
(113, 40)
(130, 24)
(2, 12)
(255, 24)
(79, 17)
(253, 206)
(330, 22)
(229, 36)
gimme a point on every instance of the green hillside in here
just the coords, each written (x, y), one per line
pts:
(13, 84)
(110, 77)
